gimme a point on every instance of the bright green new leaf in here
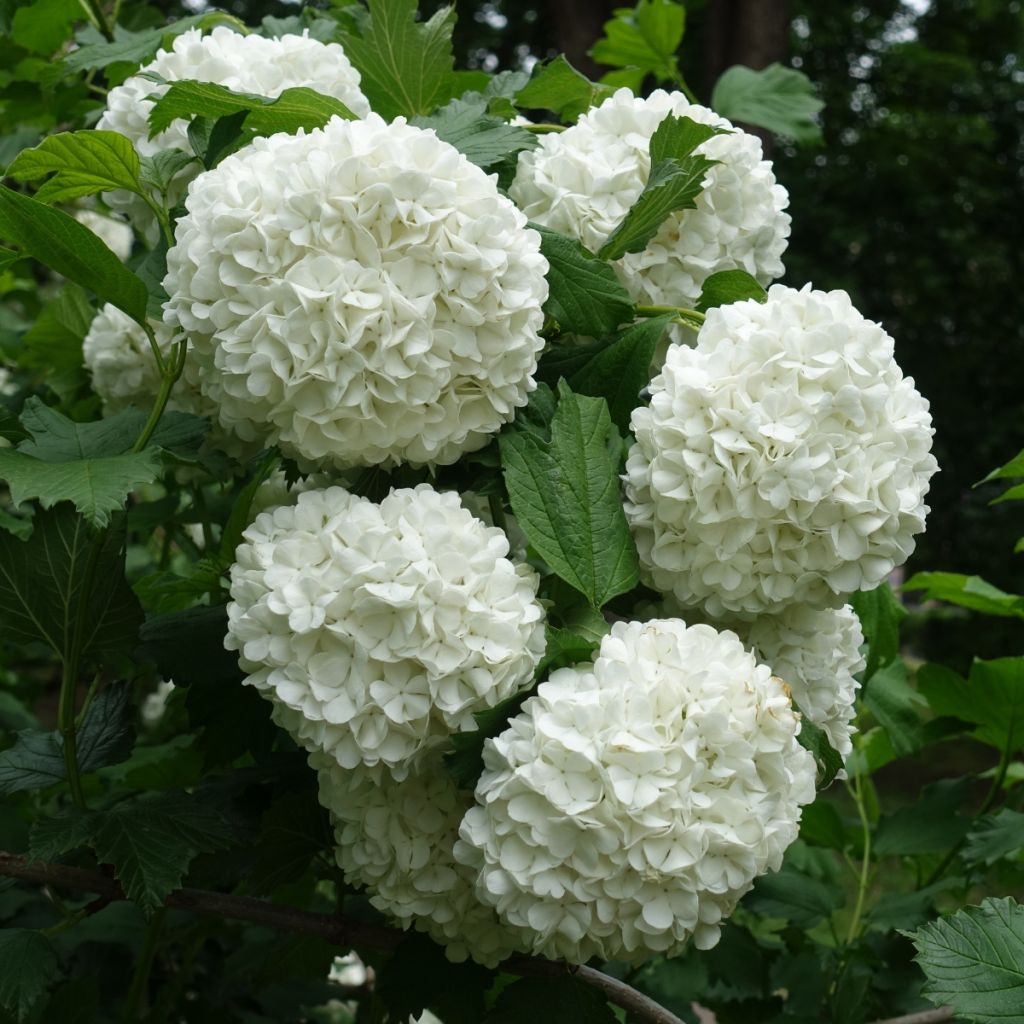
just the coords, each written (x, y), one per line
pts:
(777, 98)
(150, 841)
(968, 592)
(645, 37)
(45, 579)
(994, 837)
(880, 615)
(676, 138)
(1011, 471)
(728, 286)
(565, 495)
(405, 65)
(673, 185)
(931, 824)
(795, 897)
(82, 164)
(36, 759)
(28, 967)
(71, 249)
(974, 961)
(465, 124)
(897, 706)
(585, 296)
(560, 88)
(295, 108)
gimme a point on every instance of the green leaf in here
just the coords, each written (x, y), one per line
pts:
(968, 592)
(585, 296)
(826, 757)
(795, 897)
(64, 245)
(676, 138)
(53, 344)
(728, 286)
(777, 98)
(1010, 471)
(672, 185)
(564, 647)
(880, 615)
(907, 909)
(484, 139)
(82, 163)
(645, 37)
(29, 968)
(8, 257)
(565, 495)
(897, 706)
(36, 760)
(620, 368)
(557, 86)
(295, 108)
(929, 825)
(159, 170)
(994, 837)
(549, 1001)
(974, 961)
(44, 579)
(991, 698)
(405, 65)
(44, 25)
(150, 841)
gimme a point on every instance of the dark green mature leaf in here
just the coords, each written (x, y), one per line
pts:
(585, 296)
(150, 840)
(777, 98)
(994, 837)
(968, 592)
(59, 241)
(292, 833)
(295, 108)
(728, 286)
(974, 961)
(826, 757)
(673, 185)
(484, 139)
(565, 494)
(564, 647)
(795, 897)
(405, 65)
(907, 909)
(929, 825)
(621, 369)
(44, 25)
(106, 735)
(44, 579)
(644, 37)
(557, 86)
(82, 163)
(992, 697)
(550, 1001)
(29, 968)
(897, 706)
(676, 138)
(53, 344)
(880, 615)
(187, 647)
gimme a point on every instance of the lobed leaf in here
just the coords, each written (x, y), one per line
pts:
(968, 592)
(644, 38)
(557, 86)
(780, 99)
(28, 967)
(483, 138)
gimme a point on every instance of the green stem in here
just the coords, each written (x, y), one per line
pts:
(543, 129)
(93, 687)
(171, 373)
(135, 1001)
(161, 216)
(681, 311)
(497, 512)
(199, 501)
(865, 867)
(94, 12)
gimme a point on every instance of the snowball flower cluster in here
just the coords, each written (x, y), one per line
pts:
(378, 630)
(360, 294)
(115, 234)
(583, 181)
(634, 800)
(783, 460)
(396, 838)
(249, 63)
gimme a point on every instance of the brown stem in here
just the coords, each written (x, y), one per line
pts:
(335, 928)
(939, 1015)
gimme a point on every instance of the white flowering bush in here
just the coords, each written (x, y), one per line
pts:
(378, 630)
(784, 459)
(426, 544)
(633, 801)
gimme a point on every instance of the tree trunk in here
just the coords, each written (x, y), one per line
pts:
(578, 25)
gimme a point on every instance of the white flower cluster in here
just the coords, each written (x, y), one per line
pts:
(634, 800)
(248, 63)
(783, 460)
(583, 181)
(379, 630)
(360, 294)
(116, 234)
(397, 839)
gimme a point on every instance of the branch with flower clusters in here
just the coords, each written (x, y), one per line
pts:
(334, 928)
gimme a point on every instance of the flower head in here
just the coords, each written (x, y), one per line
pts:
(634, 800)
(378, 630)
(583, 181)
(360, 295)
(784, 460)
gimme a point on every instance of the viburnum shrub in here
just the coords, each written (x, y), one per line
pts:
(441, 574)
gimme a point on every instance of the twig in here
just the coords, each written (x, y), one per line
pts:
(335, 928)
(939, 1015)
